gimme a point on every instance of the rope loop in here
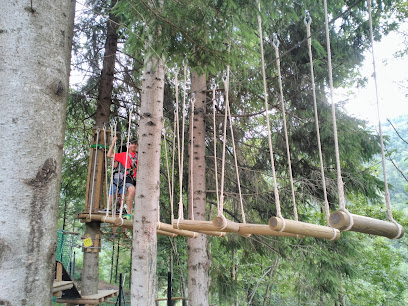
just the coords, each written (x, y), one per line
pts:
(350, 217)
(121, 221)
(283, 223)
(399, 229)
(275, 41)
(308, 19)
(224, 221)
(334, 234)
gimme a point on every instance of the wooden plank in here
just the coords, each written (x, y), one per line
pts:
(58, 272)
(341, 220)
(61, 285)
(88, 181)
(303, 228)
(94, 299)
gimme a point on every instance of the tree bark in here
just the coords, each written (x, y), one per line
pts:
(198, 262)
(144, 250)
(90, 271)
(34, 71)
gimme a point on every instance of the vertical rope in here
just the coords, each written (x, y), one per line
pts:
(123, 136)
(94, 172)
(168, 176)
(275, 184)
(181, 153)
(236, 168)
(191, 155)
(106, 160)
(275, 43)
(387, 193)
(333, 106)
(213, 87)
(113, 132)
(340, 186)
(226, 85)
(126, 164)
(172, 171)
(308, 21)
(176, 119)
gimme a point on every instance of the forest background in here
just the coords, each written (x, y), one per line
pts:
(358, 269)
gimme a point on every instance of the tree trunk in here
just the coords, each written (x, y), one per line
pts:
(148, 185)
(198, 262)
(34, 70)
(90, 271)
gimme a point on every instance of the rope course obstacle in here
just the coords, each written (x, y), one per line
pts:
(343, 219)
(340, 220)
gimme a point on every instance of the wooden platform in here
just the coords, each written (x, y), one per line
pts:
(94, 299)
(59, 286)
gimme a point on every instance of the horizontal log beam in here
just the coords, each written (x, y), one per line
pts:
(195, 225)
(341, 220)
(303, 228)
(167, 228)
(263, 229)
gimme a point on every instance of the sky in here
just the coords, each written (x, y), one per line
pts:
(391, 74)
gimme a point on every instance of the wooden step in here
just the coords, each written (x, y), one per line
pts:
(94, 299)
(59, 286)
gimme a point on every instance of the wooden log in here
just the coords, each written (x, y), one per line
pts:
(225, 225)
(263, 229)
(195, 225)
(169, 228)
(129, 224)
(341, 220)
(164, 233)
(214, 233)
(303, 228)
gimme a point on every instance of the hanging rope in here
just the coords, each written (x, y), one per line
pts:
(275, 44)
(94, 172)
(236, 168)
(308, 21)
(181, 152)
(110, 202)
(213, 87)
(275, 184)
(191, 155)
(126, 164)
(387, 194)
(106, 160)
(342, 202)
(172, 171)
(168, 176)
(220, 212)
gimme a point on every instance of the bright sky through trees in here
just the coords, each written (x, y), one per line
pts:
(392, 79)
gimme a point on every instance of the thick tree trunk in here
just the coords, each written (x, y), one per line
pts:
(34, 70)
(148, 183)
(90, 273)
(198, 262)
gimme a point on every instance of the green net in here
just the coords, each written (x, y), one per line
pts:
(66, 243)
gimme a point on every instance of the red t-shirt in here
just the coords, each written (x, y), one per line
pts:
(121, 157)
